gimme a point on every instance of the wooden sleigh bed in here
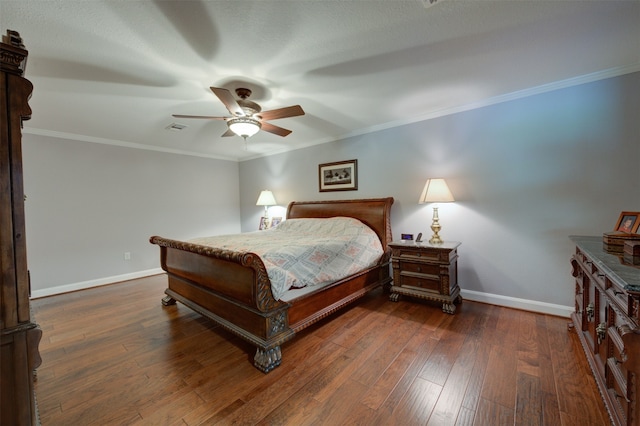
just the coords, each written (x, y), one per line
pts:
(233, 289)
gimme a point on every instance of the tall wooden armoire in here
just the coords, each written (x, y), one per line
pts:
(20, 336)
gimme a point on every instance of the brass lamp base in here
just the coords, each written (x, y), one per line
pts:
(435, 227)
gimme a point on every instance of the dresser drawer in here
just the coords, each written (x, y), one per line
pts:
(617, 390)
(621, 299)
(420, 281)
(616, 365)
(617, 350)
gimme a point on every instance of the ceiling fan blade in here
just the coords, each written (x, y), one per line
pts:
(229, 101)
(228, 133)
(274, 114)
(199, 116)
(268, 127)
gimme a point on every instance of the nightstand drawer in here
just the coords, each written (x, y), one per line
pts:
(412, 253)
(421, 281)
(419, 268)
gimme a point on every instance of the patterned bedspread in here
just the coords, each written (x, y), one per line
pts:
(304, 252)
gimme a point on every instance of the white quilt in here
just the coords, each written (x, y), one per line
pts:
(305, 252)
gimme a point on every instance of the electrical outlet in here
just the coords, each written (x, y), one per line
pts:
(127, 255)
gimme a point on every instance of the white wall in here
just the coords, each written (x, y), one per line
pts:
(87, 204)
(526, 174)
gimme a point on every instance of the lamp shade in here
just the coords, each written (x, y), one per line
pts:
(266, 198)
(244, 126)
(435, 191)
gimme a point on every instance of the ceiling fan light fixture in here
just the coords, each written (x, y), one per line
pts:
(244, 126)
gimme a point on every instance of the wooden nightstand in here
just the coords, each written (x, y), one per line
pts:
(427, 272)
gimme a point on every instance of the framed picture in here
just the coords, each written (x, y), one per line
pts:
(264, 223)
(628, 222)
(340, 176)
(275, 221)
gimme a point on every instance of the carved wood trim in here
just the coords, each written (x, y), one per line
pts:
(13, 56)
(264, 297)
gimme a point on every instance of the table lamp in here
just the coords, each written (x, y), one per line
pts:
(435, 191)
(266, 199)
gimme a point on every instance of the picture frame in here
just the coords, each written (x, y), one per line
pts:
(338, 176)
(264, 223)
(275, 221)
(628, 222)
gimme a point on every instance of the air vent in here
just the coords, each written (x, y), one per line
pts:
(176, 127)
(429, 3)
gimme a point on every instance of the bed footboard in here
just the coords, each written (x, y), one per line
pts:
(230, 288)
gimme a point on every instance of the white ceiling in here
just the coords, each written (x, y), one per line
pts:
(114, 71)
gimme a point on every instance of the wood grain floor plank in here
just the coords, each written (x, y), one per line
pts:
(385, 411)
(491, 413)
(568, 362)
(417, 404)
(303, 381)
(499, 387)
(465, 417)
(485, 325)
(529, 410)
(369, 372)
(449, 403)
(338, 407)
(445, 354)
(421, 342)
(114, 355)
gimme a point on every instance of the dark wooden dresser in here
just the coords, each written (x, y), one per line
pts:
(606, 319)
(426, 271)
(20, 336)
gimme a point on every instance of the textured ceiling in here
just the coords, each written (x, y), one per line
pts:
(115, 71)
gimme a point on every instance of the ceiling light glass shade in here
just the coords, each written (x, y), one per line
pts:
(435, 191)
(266, 198)
(244, 126)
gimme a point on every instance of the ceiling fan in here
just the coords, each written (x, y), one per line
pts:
(247, 116)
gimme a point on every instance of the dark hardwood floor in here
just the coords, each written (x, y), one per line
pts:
(114, 355)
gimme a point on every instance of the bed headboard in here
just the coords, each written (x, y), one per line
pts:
(374, 212)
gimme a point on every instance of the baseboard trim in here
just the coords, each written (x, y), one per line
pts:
(476, 296)
(514, 302)
(93, 283)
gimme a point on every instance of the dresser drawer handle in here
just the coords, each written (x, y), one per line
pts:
(590, 312)
(601, 331)
(617, 292)
(622, 396)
